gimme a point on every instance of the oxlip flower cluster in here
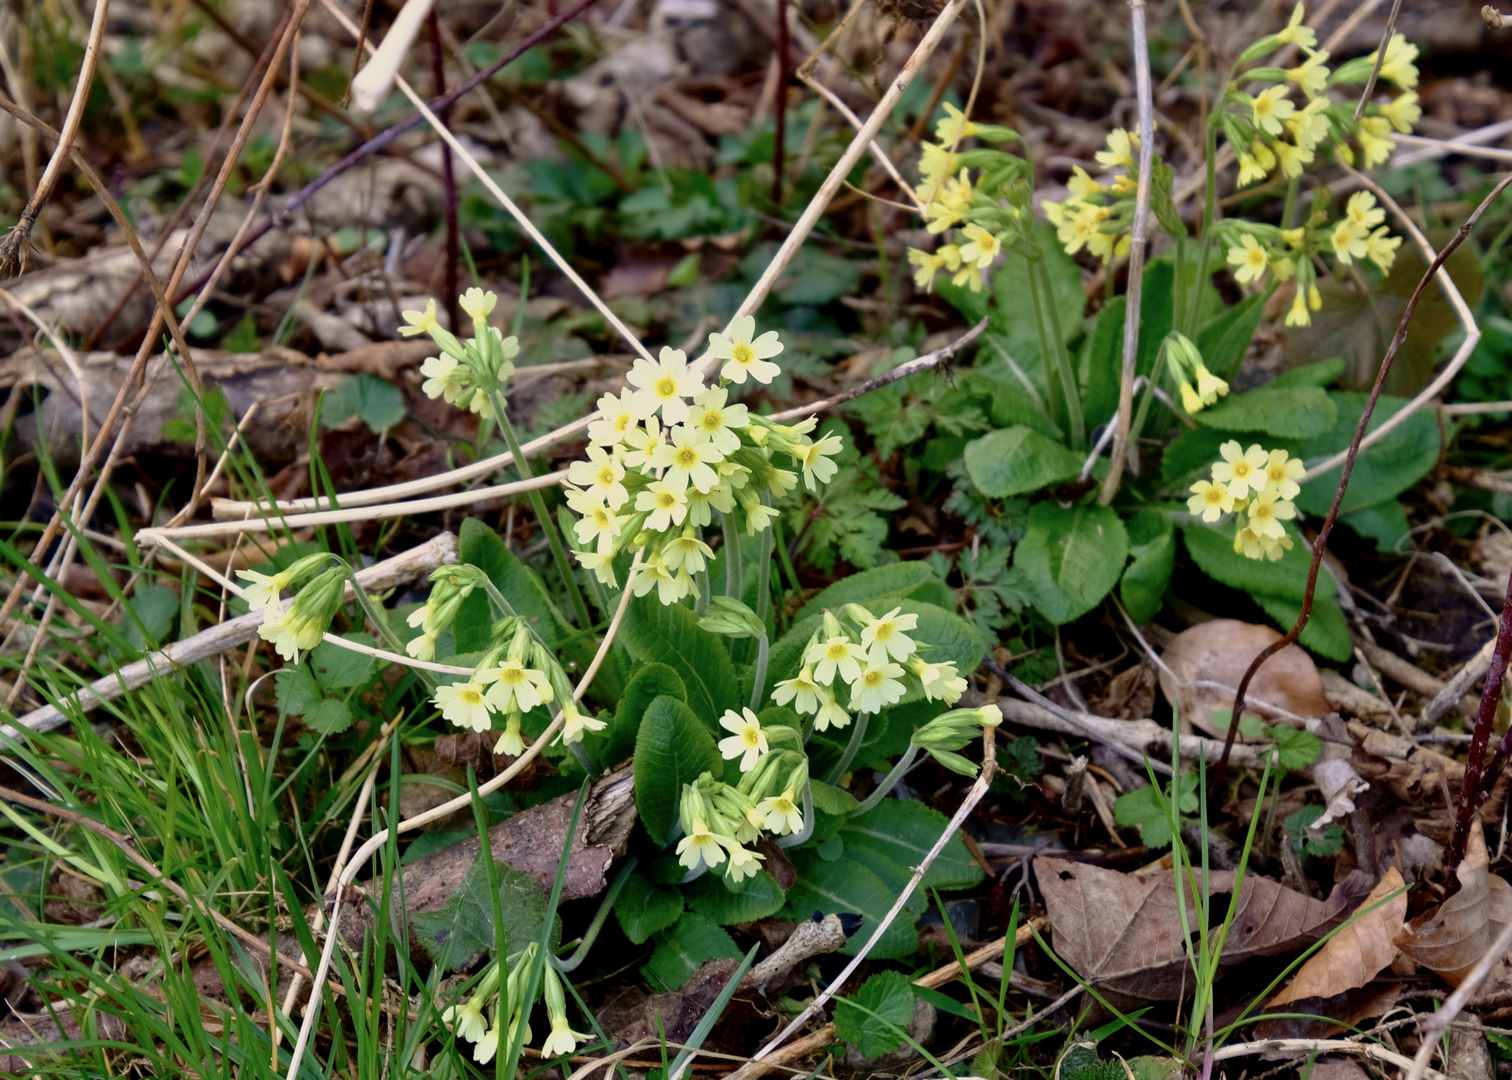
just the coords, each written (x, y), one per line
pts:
(721, 821)
(668, 451)
(863, 663)
(1357, 235)
(1186, 367)
(954, 199)
(450, 586)
(468, 374)
(298, 626)
(467, 1019)
(1258, 487)
(511, 680)
(1097, 214)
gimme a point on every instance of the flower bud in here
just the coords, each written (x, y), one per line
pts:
(731, 618)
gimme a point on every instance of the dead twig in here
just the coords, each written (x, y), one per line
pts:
(13, 247)
(1137, 240)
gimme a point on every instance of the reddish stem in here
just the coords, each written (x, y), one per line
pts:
(1477, 785)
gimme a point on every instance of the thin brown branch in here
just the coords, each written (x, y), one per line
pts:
(1375, 71)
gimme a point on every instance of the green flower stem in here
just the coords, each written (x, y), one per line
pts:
(802, 835)
(852, 748)
(538, 505)
(570, 964)
(504, 607)
(1053, 354)
(764, 568)
(758, 688)
(1188, 321)
(701, 605)
(904, 764)
(733, 567)
(1291, 201)
(379, 618)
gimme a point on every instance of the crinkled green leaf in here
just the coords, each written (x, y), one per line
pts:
(341, 669)
(481, 546)
(1071, 558)
(1380, 472)
(379, 404)
(850, 886)
(649, 682)
(889, 1008)
(662, 634)
(330, 716)
(1141, 809)
(1152, 543)
(644, 908)
(671, 749)
(1016, 460)
(463, 927)
(714, 896)
(682, 950)
(904, 831)
(1287, 412)
(830, 799)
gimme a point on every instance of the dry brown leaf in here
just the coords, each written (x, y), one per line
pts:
(1452, 939)
(1219, 652)
(1122, 932)
(1359, 951)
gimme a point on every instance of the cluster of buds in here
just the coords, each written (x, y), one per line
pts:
(1268, 129)
(1254, 248)
(950, 731)
(668, 451)
(512, 679)
(467, 1019)
(720, 821)
(299, 626)
(953, 199)
(450, 586)
(467, 374)
(873, 658)
(1258, 487)
(1185, 364)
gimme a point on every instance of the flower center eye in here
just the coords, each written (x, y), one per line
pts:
(687, 457)
(712, 421)
(666, 500)
(606, 476)
(622, 422)
(838, 652)
(873, 677)
(666, 388)
(514, 675)
(472, 697)
(1241, 469)
(884, 631)
(752, 737)
(743, 354)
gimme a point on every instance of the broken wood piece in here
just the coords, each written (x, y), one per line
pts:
(1407, 674)
(1144, 736)
(530, 841)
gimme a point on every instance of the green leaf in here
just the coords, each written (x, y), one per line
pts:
(296, 690)
(1071, 558)
(463, 927)
(650, 682)
(889, 1001)
(817, 277)
(644, 908)
(482, 547)
(1152, 543)
(830, 799)
(155, 607)
(1324, 373)
(340, 669)
(659, 634)
(900, 579)
(1016, 460)
(1327, 630)
(671, 749)
(331, 716)
(1224, 341)
(1384, 522)
(682, 950)
(754, 898)
(1299, 747)
(904, 831)
(1288, 412)
(848, 886)
(1141, 809)
(1381, 471)
(243, 337)
(379, 404)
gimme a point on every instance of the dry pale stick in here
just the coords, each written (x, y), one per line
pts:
(1439, 1023)
(408, 566)
(1324, 1046)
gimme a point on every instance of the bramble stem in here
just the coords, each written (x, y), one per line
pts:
(538, 505)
